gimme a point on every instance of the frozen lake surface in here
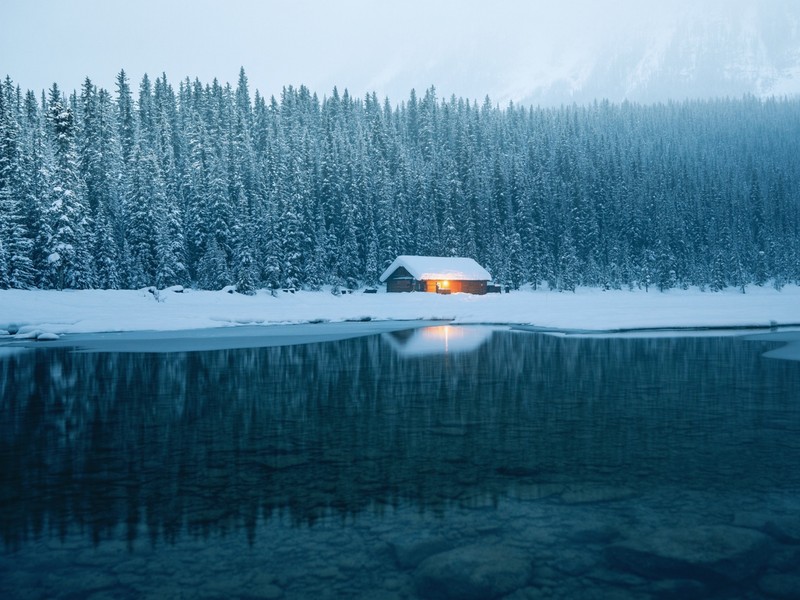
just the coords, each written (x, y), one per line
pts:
(440, 462)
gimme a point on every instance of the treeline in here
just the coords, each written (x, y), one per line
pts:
(210, 185)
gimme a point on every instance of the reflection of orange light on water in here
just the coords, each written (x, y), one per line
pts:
(441, 332)
(437, 332)
(441, 339)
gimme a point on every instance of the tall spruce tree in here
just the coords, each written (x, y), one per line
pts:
(69, 245)
(16, 265)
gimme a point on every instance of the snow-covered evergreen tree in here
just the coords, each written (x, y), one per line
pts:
(69, 245)
(106, 256)
(244, 269)
(16, 266)
(212, 271)
(568, 274)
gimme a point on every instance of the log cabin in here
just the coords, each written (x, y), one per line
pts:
(436, 274)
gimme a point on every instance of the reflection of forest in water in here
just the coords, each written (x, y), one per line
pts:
(213, 441)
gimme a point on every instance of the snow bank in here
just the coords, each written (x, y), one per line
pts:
(25, 312)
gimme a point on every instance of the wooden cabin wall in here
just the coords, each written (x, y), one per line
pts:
(399, 285)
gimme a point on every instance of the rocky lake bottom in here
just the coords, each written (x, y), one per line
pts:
(548, 541)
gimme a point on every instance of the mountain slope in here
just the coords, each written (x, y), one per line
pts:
(755, 51)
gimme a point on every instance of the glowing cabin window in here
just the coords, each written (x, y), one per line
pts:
(444, 284)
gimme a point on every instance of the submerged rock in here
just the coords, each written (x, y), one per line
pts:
(535, 491)
(270, 592)
(575, 562)
(410, 552)
(780, 586)
(473, 572)
(600, 534)
(280, 462)
(707, 553)
(678, 589)
(786, 559)
(784, 529)
(590, 494)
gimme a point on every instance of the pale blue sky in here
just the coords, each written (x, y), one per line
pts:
(467, 47)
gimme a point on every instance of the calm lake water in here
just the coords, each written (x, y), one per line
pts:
(445, 462)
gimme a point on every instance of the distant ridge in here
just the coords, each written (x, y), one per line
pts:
(752, 52)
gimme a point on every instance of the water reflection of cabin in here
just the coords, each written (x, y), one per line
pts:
(438, 339)
(439, 274)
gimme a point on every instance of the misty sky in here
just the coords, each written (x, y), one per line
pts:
(503, 48)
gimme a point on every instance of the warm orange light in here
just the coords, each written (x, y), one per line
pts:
(437, 333)
(444, 284)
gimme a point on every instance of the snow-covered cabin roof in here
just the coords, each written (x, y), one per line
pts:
(439, 267)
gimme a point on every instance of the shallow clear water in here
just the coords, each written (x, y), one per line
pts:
(441, 463)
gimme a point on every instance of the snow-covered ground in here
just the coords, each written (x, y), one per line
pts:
(31, 313)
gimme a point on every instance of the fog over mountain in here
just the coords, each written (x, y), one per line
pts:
(536, 52)
(642, 53)
(579, 51)
(697, 55)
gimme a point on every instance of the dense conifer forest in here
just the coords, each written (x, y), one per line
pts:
(211, 185)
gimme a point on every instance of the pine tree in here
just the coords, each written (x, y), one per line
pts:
(106, 256)
(568, 273)
(292, 238)
(38, 167)
(16, 269)
(271, 254)
(5, 279)
(212, 271)
(196, 214)
(68, 248)
(318, 272)
(126, 126)
(169, 249)
(371, 272)
(144, 203)
(100, 162)
(245, 279)
(243, 264)
(647, 269)
(348, 267)
(718, 280)
(450, 237)
(515, 268)
(664, 267)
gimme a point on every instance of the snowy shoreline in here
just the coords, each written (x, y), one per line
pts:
(28, 314)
